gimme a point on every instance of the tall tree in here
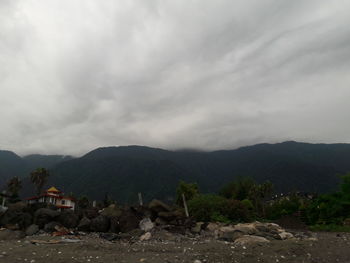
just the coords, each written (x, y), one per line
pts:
(259, 194)
(190, 190)
(239, 189)
(345, 184)
(39, 178)
(14, 185)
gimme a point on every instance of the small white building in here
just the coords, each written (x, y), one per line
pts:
(55, 197)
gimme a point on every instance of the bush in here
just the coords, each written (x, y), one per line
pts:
(205, 207)
(238, 211)
(248, 204)
(328, 209)
(284, 206)
(211, 207)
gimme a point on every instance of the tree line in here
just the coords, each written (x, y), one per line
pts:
(244, 200)
(241, 200)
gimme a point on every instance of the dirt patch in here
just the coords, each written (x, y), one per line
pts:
(329, 247)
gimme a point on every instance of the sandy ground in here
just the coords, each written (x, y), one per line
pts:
(330, 247)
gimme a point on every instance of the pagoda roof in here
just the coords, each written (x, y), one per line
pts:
(53, 190)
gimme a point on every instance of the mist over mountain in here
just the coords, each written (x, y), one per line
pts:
(124, 171)
(10, 165)
(34, 161)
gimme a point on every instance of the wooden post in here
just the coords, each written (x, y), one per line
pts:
(140, 199)
(185, 205)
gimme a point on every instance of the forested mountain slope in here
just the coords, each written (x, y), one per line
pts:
(122, 172)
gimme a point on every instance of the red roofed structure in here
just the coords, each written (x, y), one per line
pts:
(55, 197)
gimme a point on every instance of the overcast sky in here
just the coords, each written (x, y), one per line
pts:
(204, 74)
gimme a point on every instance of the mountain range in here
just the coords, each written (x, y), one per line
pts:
(122, 172)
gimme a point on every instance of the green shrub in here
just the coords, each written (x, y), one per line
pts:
(328, 209)
(330, 228)
(285, 206)
(219, 218)
(237, 211)
(190, 190)
(211, 207)
(248, 204)
(206, 206)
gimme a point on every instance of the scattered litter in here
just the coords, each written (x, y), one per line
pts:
(45, 241)
(53, 241)
(69, 240)
(61, 231)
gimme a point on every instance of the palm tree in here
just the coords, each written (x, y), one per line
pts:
(39, 178)
(14, 185)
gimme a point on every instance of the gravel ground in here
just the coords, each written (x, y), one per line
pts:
(329, 247)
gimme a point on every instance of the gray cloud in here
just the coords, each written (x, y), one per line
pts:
(75, 75)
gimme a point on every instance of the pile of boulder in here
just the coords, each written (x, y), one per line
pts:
(256, 232)
(112, 219)
(157, 220)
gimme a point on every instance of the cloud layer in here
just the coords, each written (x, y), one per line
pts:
(75, 75)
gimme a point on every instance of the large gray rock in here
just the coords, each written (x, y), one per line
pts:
(145, 211)
(44, 216)
(112, 211)
(171, 215)
(7, 234)
(198, 227)
(84, 224)
(247, 240)
(19, 206)
(129, 220)
(114, 225)
(32, 230)
(159, 221)
(285, 235)
(146, 224)
(51, 226)
(68, 219)
(158, 206)
(248, 229)
(146, 236)
(17, 216)
(231, 235)
(213, 227)
(100, 224)
(90, 213)
(47, 212)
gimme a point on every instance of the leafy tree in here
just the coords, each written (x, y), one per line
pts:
(208, 207)
(190, 190)
(238, 211)
(245, 188)
(331, 209)
(14, 185)
(39, 178)
(238, 189)
(83, 202)
(259, 193)
(345, 185)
